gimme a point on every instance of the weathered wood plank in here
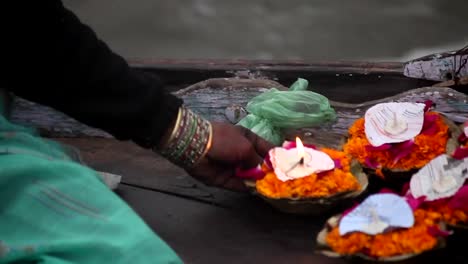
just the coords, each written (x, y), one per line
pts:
(137, 166)
(439, 67)
(449, 102)
(234, 64)
(253, 233)
(52, 123)
(239, 227)
(340, 81)
(269, 69)
(144, 168)
(463, 81)
(49, 122)
(212, 97)
(246, 231)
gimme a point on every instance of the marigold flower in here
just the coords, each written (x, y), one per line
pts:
(318, 185)
(416, 239)
(426, 146)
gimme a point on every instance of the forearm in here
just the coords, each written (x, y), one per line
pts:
(71, 70)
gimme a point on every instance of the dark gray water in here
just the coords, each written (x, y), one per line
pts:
(277, 29)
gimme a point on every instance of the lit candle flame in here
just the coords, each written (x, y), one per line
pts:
(300, 149)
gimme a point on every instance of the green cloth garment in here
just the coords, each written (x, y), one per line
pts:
(54, 210)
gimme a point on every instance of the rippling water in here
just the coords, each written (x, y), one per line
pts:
(278, 29)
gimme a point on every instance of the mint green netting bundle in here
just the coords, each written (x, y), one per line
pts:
(275, 110)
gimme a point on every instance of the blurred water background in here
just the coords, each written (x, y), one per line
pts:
(315, 30)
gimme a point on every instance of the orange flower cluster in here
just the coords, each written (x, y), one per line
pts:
(313, 186)
(449, 215)
(412, 240)
(425, 148)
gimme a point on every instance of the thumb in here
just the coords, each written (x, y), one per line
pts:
(260, 145)
(251, 158)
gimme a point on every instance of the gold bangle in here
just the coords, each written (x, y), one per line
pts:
(208, 144)
(190, 140)
(174, 129)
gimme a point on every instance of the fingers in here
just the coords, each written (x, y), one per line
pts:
(257, 150)
(236, 184)
(229, 181)
(214, 174)
(251, 159)
(260, 145)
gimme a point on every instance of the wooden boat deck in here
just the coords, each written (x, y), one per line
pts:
(208, 225)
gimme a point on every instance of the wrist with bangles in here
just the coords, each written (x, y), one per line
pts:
(189, 141)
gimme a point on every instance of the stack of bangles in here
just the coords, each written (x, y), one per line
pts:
(189, 141)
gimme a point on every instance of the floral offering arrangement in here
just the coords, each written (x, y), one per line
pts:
(398, 137)
(388, 226)
(441, 187)
(296, 173)
(452, 211)
(335, 177)
(404, 141)
(384, 227)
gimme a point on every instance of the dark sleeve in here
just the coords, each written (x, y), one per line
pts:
(53, 59)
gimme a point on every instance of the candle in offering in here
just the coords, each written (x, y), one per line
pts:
(393, 122)
(299, 162)
(442, 177)
(396, 125)
(377, 213)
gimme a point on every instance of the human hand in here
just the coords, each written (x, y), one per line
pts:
(232, 147)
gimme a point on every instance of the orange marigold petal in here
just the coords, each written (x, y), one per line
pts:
(312, 186)
(402, 241)
(426, 147)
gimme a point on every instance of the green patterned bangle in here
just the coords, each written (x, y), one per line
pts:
(189, 141)
(185, 142)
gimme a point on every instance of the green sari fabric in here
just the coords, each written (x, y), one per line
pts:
(54, 210)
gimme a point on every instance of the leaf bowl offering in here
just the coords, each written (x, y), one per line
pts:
(397, 162)
(315, 193)
(426, 235)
